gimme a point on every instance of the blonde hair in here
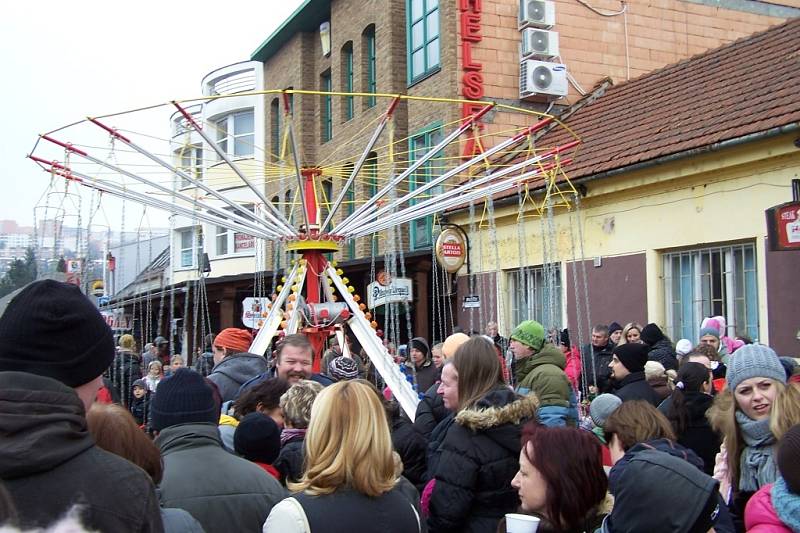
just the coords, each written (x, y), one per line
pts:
(785, 411)
(348, 443)
(176, 357)
(722, 416)
(127, 342)
(297, 401)
(623, 339)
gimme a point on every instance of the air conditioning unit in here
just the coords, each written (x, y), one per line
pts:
(539, 43)
(536, 14)
(542, 80)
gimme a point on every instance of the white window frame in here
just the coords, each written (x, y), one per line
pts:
(191, 162)
(194, 249)
(227, 136)
(230, 239)
(720, 280)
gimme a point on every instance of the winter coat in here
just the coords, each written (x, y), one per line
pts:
(411, 445)
(49, 462)
(573, 368)
(634, 387)
(343, 511)
(434, 451)
(216, 487)
(290, 460)
(427, 375)
(430, 411)
(660, 384)
(596, 361)
(180, 521)
(769, 507)
(662, 445)
(479, 458)
(233, 371)
(140, 409)
(698, 435)
(125, 369)
(664, 352)
(543, 374)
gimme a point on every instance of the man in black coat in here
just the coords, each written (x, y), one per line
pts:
(595, 359)
(627, 374)
(54, 347)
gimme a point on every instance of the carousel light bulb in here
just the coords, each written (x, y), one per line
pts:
(283, 279)
(334, 263)
(279, 288)
(345, 281)
(356, 298)
(362, 306)
(295, 288)
(351, 289)
(339, 271)
(292, 297)
(284, 324)
(368, 316)
(374, 324)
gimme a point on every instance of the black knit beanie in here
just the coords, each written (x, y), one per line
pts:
(651, 334)
(183, 398)
(419, 345)
(51, 329)
(258, 438)
(788, 459)
(632, 355)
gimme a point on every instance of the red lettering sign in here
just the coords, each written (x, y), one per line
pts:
(472, 79)
(451, 249)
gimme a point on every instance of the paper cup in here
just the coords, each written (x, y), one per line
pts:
(521, 523)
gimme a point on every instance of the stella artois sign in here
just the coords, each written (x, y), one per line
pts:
(451, 249)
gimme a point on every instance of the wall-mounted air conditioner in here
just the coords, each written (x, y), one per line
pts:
(536, 14)
(542, 80)
(539, 43)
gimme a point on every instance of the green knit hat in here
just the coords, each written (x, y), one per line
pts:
(529, 333)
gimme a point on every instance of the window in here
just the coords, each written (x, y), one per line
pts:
(536, 295)
(422, 37)
(222, 240)
(369, 67)
(326, 115)
(324, 200)
(705, 282)
(275, 128)
(235, 134)
(191, 163)
(420, 144)
(347, 81)
(187, 256)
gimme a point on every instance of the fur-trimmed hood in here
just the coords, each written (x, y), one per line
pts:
(500, 406)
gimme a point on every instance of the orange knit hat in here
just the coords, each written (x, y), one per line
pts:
(234, 339)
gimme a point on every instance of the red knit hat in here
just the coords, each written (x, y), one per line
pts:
(234, 339)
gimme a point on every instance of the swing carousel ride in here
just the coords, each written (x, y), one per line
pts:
(304, 211)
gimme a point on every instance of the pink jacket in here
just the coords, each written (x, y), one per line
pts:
(573, 368)
(759, 514)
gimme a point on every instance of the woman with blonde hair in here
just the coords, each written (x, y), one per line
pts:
(350, 471)
(745, 415)
(479, 454)
(632, 332)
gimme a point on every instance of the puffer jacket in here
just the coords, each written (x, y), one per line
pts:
(763, 513)
(49, 462)
(478, 458)
(430, 411)
(233, 371)
(543, 374)
(664, 352)
(411, 445)
(216, 487)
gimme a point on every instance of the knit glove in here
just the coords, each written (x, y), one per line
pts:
(722, 474)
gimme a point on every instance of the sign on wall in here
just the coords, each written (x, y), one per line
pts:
(783, 226)
(243, 242)
(451, 249)
(397, 290)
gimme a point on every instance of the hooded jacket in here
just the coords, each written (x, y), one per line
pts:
(233, 371)
(543, 374)
(634, 386)
(216, 487)
(49, 462)
(479, 457)
(595, 361)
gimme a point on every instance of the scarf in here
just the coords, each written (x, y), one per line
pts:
(786, 505)
(291, 434)
(756, 465)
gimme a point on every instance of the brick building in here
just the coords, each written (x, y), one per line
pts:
(466, 49)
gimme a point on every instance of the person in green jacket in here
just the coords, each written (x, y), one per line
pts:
(539, 369)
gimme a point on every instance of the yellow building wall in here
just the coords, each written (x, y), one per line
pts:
(712, 198)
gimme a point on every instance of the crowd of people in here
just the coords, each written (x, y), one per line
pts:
(629, 433)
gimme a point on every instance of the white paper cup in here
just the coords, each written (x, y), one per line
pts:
(521, 523)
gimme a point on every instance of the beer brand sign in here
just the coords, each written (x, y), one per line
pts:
(451, 249)
(472, 76)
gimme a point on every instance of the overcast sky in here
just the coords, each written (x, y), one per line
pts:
(63, 61)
